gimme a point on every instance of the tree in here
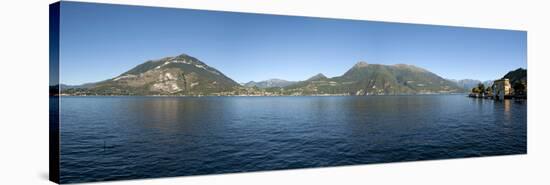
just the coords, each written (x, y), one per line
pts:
(519, 88)
(475, 90)
(481, 88)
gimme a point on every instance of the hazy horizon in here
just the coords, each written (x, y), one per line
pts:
(255, 47)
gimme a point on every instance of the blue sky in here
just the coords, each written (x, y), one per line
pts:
(101, 41)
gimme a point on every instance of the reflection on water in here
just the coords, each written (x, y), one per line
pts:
(507, 113)
(161, 113)
(107, 138)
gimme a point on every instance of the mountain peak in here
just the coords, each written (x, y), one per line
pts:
(183, 55)
(403, 65)
(275, 80)
(319, 76)
(361, 64)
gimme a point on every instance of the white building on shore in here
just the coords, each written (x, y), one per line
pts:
(501, 88)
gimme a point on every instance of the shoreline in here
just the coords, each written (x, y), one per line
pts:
(316, 95)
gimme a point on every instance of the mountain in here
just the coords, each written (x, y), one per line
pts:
(468, 83)
(377, 79)
(179, 75)
(317, 77)
(186, 75)
(83, 86)
(269, 83)
(517, 76)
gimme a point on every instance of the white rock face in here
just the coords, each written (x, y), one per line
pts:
(124, 77)
(167, 86)
(167, 82)
(170, 61)
(175, 87)
(169, 76)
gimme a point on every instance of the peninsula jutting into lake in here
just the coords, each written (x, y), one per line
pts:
(145, 92)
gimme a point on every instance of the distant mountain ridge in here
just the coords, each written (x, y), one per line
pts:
(269, 83)
(468, 83)
(187, 75)
(83, 86)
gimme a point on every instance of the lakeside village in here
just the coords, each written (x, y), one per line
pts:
(500, 90)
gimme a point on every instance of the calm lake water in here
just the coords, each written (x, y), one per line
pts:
(112, 138)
